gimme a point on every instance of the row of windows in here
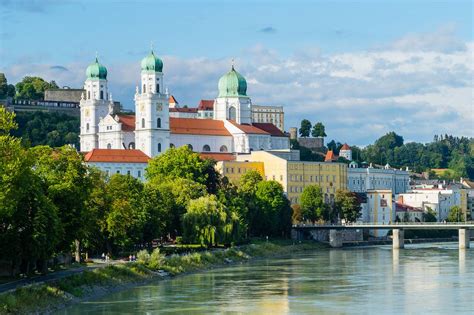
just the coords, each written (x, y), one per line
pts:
(328, 199)
(315, 166)
(238, 170)
(311, 178)
(299, 189)
(273, 177)
(125, 172)
(101, 95)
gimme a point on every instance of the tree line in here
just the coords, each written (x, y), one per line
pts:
(51, 202)
(29, 88)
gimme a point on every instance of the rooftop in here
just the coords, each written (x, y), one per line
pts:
(116, 156)
(194, 126)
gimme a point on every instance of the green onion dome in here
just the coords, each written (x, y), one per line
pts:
(232, 84)
(96, 71)
(152, 63)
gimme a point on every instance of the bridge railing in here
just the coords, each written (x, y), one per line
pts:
(362, 224)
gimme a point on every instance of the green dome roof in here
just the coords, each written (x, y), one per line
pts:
(96, 71)
(152, 63)
(232, 84)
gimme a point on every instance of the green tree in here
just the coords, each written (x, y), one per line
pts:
(6, 90)
(204, 221)
(347, 206)
(64, 175)
(126, 218)
(7, 121)
(182, 163)
(312, 204)
(32, 88)
(456, 215)
(274, 212)
(319, 130)
(305, 128)
(429, 215)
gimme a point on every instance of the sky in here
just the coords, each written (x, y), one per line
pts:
(363, 68)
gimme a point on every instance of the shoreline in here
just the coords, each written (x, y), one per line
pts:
(49, 297)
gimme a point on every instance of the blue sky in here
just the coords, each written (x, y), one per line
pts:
(362, 67)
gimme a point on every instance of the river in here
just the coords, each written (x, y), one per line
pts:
(420, 279)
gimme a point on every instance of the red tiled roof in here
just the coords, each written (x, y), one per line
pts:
(172, 100)
(184, 109)
(206, 105)
(330, 156)
(270, 128)
(194, 126)
(116, 156)
(248, 128)
(128, 122)
(218, 156)
(345, 147)
(403, 207)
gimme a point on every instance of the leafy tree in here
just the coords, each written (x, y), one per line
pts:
(6, 90)
(389, 141)
(305, 128)
(247, 189)
(334, 146)
(7, 122)
(32, 88)
(429, 215)
(234, 202)
(312, 204)
(274, 211)
(182, 163)
(204, 221)
(66, 182)
(456, 214)
(47, 128)
(126, 218)
(319, 130)
(347, 206)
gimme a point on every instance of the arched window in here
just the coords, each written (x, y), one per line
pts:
(87, 127)
(144, 88)
(171, 145)
(223, 148)
(109, 146)
(190, 147)
(206, 148)
(89, 95)
(131, 145)
(143, 122)
(101, 95)
(158, 123)
(159, 147)
(157, 88)
(232, 113)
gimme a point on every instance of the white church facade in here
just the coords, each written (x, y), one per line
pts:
(152, 130)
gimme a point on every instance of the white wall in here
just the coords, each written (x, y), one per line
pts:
(136, 170)
(198, 142)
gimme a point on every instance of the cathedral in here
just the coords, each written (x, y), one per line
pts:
(151, 129)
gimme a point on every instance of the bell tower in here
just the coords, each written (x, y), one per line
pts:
(152, 131)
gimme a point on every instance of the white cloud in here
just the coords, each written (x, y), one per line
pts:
(417, 86)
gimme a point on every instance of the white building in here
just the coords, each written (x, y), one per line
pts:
(364, 179)
(114, 161)
(269, 114)
(154, 128)
(440, 200)
(346, 152)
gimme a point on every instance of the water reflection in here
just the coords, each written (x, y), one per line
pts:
(435, 278)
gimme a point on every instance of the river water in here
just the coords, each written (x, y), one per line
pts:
(420, 279)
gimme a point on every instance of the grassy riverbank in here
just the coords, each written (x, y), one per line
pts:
(91, 284)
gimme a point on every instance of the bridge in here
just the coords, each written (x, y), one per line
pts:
(398, 234)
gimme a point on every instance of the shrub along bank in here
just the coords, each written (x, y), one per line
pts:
(97, 282)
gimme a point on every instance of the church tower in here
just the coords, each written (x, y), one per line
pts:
(94, 105)
(233, 102)
(152, 131)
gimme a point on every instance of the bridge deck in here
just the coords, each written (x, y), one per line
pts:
(405, 226)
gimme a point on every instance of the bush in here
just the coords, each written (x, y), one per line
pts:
(156, 259)
(143, 257)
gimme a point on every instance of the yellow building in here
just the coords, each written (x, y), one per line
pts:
(233, 170)
(294, 175)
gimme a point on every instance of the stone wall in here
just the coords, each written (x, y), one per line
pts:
(63, 95)
(314, 144)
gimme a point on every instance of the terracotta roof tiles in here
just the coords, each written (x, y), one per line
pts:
(194, 126)
(116, 156)
(128, 122)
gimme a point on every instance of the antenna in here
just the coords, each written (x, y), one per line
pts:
(233, 63)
